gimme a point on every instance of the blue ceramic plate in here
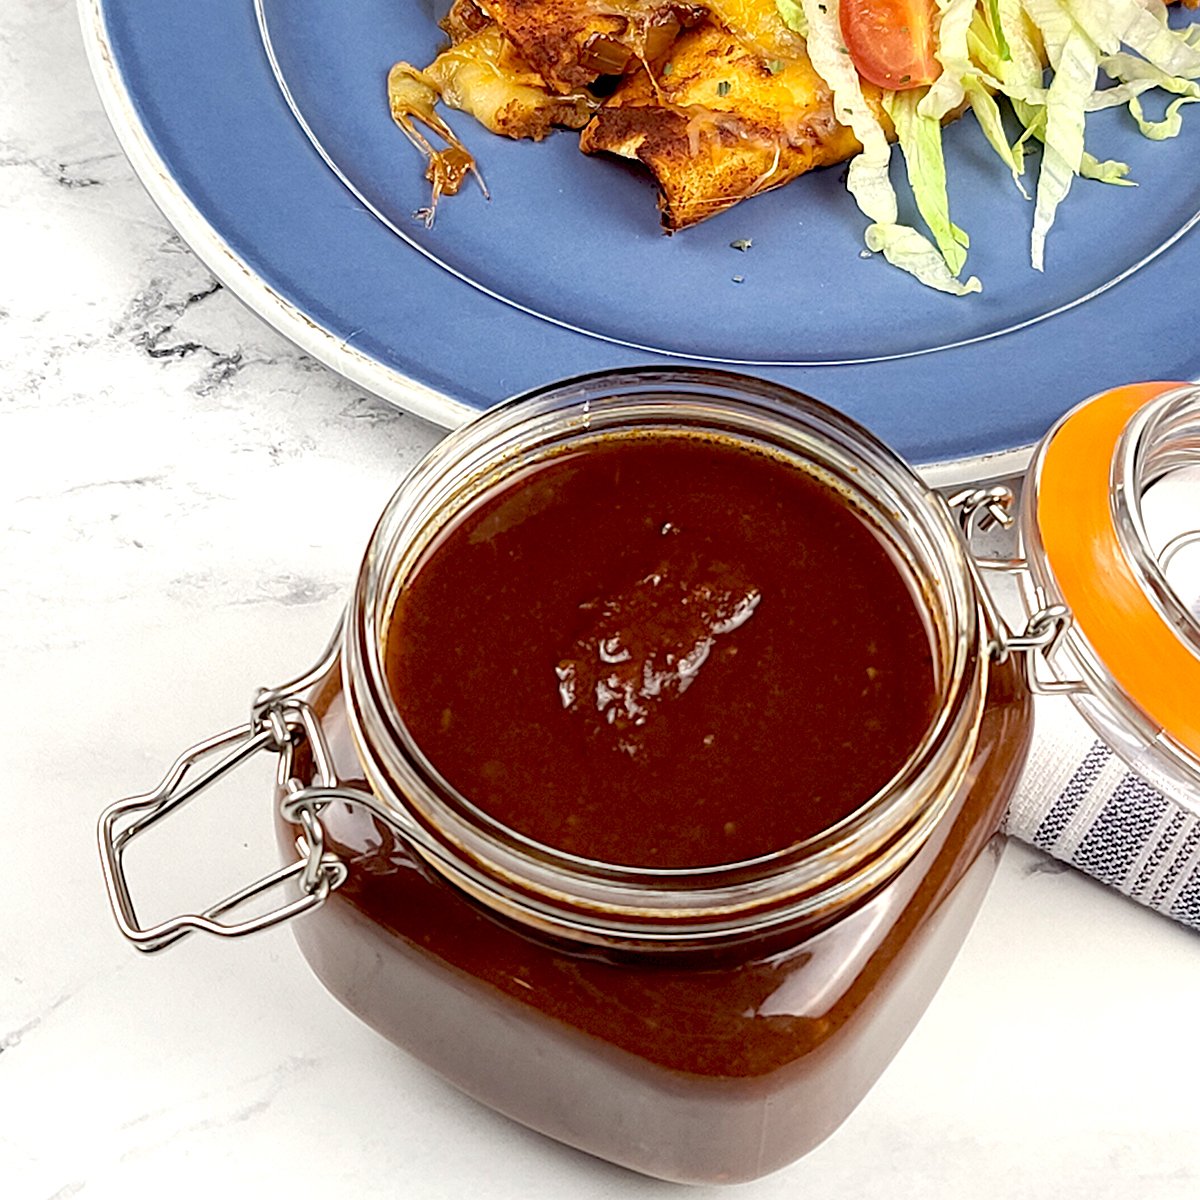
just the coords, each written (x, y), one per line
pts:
(265, 137)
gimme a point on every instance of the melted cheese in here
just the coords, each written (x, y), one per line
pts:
(483, 75)
(759, 27)
(722, 125)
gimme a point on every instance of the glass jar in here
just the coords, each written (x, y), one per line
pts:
(700, 1024)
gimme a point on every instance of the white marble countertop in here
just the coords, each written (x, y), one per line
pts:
(149, 430)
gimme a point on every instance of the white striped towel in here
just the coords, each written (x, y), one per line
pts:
(1079, 802)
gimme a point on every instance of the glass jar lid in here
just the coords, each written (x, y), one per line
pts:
(1111, 529)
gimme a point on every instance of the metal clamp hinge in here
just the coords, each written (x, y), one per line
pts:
(279, 722)
(1037, 642)
(984, 509)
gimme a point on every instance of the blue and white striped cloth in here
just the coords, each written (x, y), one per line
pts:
(1079, 802)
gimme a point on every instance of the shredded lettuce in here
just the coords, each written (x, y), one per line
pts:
(1136, 76)
(920, 139)
(1052, 61)
(1171, 123)
(1090, 167)
(1084, 38)
(997, 29)
(991, 123)
(946, 92)
(793, 16)
(867, 179)
(1062, 158)
(1139, 24)
(1020, 75)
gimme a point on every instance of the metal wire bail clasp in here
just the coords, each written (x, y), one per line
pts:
(280, 722)
(980, 511)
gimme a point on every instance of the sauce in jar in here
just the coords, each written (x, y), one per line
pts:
(670, 651)
(683, 748)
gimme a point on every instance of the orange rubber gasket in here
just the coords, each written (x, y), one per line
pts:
(1145, 656)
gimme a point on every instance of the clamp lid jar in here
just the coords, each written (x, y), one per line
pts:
(704, 1022)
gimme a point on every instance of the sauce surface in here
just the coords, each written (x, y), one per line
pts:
(665, 651)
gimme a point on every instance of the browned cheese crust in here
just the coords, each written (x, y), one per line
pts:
(719, 124)
(570, 43)
(464, 18)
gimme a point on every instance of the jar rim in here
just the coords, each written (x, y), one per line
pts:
(507, 867)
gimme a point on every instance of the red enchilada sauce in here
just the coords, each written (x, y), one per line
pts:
(666, 651)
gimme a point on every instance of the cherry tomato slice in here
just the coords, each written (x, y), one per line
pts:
(891, 42)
